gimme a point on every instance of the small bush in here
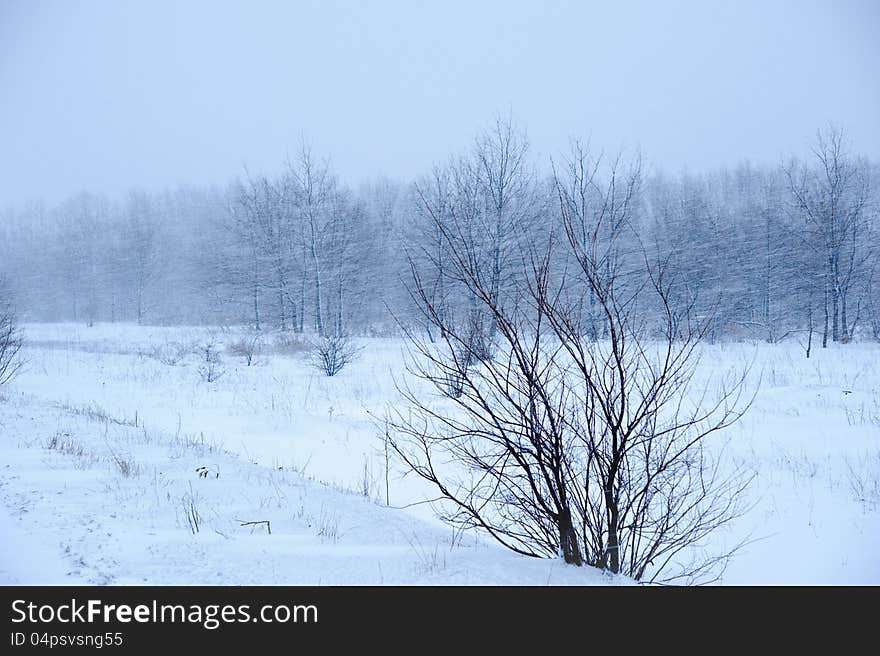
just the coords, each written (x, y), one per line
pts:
(170, 353)
(248, 348)
(10, 345)
(331, 354)
(291, 344)
(211, 368)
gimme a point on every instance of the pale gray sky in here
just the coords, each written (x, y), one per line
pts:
(109, 94)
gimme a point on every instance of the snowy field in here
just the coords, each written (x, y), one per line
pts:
(121, 465)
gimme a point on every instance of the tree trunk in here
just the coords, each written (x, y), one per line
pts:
(611, 559)
(835, 303)
(441, 286)
(140, 305)
(768, 287)
(281, 312)
(256, 307)
(612, 551)
(568, 541)
(339, 311)
(835, 313)
(302, 304)
(319, 319)
(825, 307)
(810, 327)
(256, 290)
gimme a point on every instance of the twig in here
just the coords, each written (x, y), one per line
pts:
(262, 521)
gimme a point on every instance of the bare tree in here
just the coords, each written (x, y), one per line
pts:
(506, 187)
(832, 197)
(81, 225)
(488, 199)
(325, 219)
(236, 261)
(142, 241)
(650, 489)
(434, 197)
(265, 223)
(597, 212)
(562, 444)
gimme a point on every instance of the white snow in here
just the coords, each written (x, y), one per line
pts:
(286, 445)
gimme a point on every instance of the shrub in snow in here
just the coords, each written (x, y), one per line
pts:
(170, 353)
(211, 368)
(10, 345)
(332, 353)
(291, 344)
(562, 444)
(247, 348)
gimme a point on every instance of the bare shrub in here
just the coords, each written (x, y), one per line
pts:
(331, 354)
(248, 348)
(291, 344)
(211, 368)
(170, 353)
(562, 444)
(10, 344)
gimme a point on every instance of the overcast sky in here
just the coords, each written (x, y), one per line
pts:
(108, 95)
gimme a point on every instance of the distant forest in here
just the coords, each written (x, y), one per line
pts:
(766, 252)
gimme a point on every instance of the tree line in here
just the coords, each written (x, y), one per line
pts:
(766, 252)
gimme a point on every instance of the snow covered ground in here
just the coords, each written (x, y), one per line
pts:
(120, 464)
